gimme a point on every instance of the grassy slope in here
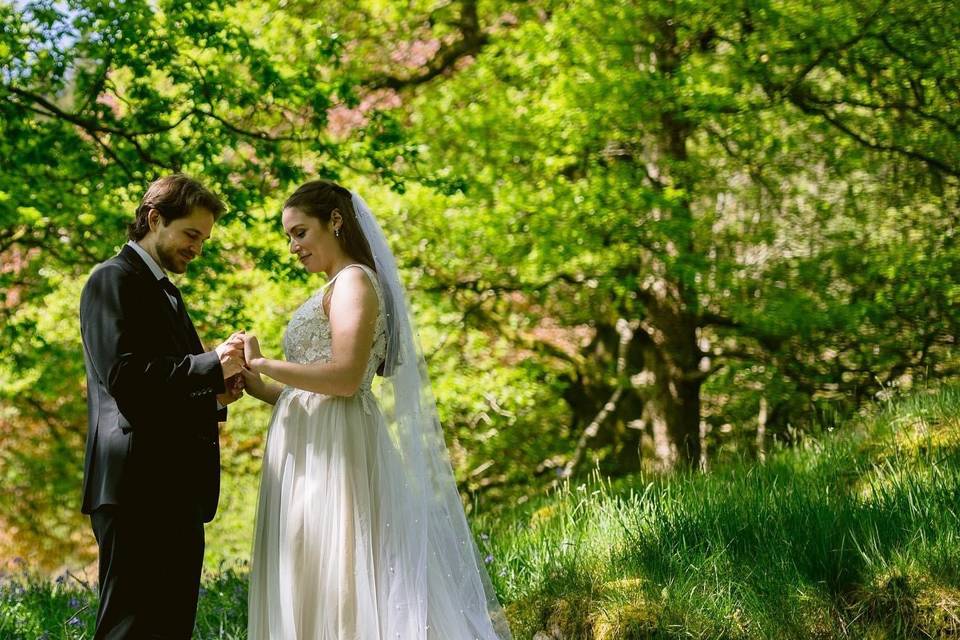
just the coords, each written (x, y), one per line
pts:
(852, 535)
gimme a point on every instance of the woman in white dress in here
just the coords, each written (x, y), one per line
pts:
(360, 532)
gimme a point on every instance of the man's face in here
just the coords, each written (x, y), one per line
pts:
(180, 241)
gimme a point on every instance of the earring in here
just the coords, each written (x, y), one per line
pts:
(336, 232)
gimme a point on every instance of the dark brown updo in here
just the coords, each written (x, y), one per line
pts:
(319, 199)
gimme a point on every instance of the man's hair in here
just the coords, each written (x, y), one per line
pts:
(173, 197)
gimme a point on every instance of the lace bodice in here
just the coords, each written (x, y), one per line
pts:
(308, 337)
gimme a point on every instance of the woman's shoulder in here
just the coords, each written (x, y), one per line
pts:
(358, 279)
(359, 275)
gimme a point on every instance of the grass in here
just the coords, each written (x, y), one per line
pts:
(32, 607)
(852, 534)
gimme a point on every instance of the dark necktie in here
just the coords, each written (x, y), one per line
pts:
(171, 288)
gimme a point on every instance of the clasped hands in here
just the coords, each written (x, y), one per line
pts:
(236, 355)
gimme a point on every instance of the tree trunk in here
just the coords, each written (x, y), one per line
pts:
(673, 304)
(673, 392)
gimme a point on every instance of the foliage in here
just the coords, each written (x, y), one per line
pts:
(764, 193)
(634, 232)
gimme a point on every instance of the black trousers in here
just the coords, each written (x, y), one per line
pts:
(150, 566)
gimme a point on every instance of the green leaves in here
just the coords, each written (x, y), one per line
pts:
(766, 190)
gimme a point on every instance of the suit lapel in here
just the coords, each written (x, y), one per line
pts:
(190, 332)
(183, 333)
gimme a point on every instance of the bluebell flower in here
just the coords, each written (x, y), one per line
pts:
(488, 559)
(74, 621)
(73, 602)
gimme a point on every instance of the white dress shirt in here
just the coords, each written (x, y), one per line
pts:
(155, 268)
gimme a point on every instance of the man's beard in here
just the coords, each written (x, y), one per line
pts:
(169, 259)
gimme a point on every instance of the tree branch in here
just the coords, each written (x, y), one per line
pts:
(626, 333)
(801, 100)
(472, 41)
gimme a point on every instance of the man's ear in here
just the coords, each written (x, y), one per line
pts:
(153, 219)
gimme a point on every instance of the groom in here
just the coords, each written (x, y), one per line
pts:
(154, 398)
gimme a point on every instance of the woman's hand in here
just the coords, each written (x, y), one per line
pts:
(251, 353)
(254, 384)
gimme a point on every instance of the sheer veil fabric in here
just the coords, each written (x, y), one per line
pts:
(360, 530)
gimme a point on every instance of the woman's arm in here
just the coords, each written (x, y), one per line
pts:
(353, 316)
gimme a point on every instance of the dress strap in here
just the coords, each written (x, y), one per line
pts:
(330, 281)
(371, 275)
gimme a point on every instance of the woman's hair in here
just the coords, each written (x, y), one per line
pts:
(319, 199)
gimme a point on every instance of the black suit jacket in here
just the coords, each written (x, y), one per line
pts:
(152, 438)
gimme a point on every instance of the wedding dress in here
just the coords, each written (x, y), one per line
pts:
(353, 540)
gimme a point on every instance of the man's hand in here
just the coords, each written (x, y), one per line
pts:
(235, 387)
(231, 355)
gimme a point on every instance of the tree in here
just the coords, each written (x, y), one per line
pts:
(699, 186)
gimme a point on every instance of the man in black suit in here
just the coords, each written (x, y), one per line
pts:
(154, 397)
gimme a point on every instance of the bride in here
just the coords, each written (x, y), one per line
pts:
(360, 532)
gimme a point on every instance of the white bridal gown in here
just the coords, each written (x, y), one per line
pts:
(332, 552)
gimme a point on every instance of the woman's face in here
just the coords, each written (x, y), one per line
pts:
(315, 246)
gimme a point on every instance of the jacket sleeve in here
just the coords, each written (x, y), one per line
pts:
(149, 388)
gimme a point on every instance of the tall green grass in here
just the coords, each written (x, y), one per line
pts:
(851, 534)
